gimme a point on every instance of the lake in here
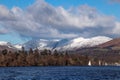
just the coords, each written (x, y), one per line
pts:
(60, 73)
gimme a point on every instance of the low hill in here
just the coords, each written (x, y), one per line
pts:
(115, 43)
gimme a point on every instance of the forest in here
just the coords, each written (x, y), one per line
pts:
(97, 57)
(41, 58)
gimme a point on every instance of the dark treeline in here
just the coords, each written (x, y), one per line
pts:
(41, 58)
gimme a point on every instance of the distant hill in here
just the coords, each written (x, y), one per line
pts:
(60, 44)
(8, 48)
(115, 43)
(66, 44)
(96, 49)
(6, 45)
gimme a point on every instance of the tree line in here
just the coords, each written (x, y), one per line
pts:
(41, 58)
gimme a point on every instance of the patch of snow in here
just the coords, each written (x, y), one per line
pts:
(18, 46)
(4, 43)
(66, 44)
(87, 42)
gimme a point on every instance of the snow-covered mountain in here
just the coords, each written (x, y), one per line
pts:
(45, 44)
(4, 43)
(63, 44)
(86, 42)
(18, 46)
(7, 45)
(66, 44)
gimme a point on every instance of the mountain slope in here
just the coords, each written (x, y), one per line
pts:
(6, 45)
(44, 44)
(66, 44)
(111, 43)
(63, 44)
(86, 42)
(40, 44)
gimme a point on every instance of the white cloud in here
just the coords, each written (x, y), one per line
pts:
(5, 14)
(116, 30)
(42, 20)
(3, 31)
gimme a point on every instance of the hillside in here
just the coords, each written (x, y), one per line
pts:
(77, 51)
(58, 44)
(6, 45)
(66, 44)
(115, 43)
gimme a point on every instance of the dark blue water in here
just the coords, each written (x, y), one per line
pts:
(59, 73)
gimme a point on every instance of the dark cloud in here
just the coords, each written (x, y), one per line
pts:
(42, 20)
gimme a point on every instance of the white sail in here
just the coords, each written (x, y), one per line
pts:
(106, 64)
(99, 63)
(89, 63)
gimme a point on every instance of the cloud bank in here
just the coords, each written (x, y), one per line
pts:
(42, 20)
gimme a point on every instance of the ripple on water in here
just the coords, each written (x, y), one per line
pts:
(60, 73)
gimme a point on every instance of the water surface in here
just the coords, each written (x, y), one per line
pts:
(59, 73)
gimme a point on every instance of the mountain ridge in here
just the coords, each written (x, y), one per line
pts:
(63, 44)
(112, 43)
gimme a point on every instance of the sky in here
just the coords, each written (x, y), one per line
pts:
(22, 20)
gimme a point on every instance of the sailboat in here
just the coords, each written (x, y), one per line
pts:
(99, 63)
(89, 63)
(106, 64)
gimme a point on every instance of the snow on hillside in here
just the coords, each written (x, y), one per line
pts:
(66, 44)
(4, 43)
(86, 42)
(63, 44)
(40, 44)
(18, 46)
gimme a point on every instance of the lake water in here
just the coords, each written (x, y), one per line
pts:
(59, 73)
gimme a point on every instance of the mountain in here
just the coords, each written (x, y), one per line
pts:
(44, 44)
(3, 43)
(66, 44)
(6, 45)
(86, 42)
(115, 43)
(18, 46)
(63, 44)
